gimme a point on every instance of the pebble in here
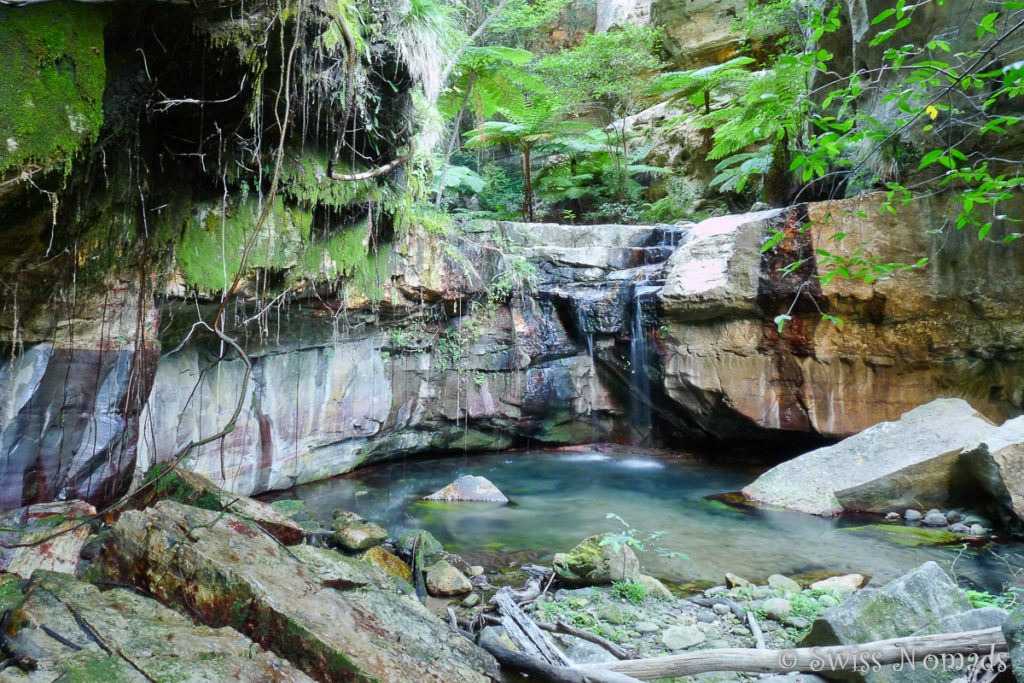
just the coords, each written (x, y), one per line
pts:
(959, 528)
(647, 627)
(977, 530)
(471, 600)
(760, 592)
(934, 518)
(718, 644)
(912, 515)
(720, 609)
(953, 517)
(706, 617)
(777, 608)
(798, 623)
(715, 590)
(741, 631)
(893, 517)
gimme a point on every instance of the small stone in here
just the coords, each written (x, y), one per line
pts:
(777, 608)
(476, 570)
(783, 583)
(741, 631)
(655, 588)
(848, 583)
(612, 614)
(718, 644)
(720, 609)
(715, 590)
(799, 623)
(682, 637)
(977, 530)
(953, 517)
(893, 517)
(647, 627)
(959, 528)
(344, 518)
(934, 518)
(706, 617)
(734, 581)
(445, 581)
(471, 600)
(760, 592)
(912, 515)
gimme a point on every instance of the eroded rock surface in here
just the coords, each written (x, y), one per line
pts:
(227, 573)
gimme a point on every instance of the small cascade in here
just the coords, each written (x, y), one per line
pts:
(585, 330)
(639, 366)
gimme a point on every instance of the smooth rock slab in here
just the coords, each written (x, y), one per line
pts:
(227, 573)
(143, 639)
(470, 488)
(917, 453)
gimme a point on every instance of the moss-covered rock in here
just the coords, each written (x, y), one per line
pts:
(51, 83)
(591, 563)
(388, 563)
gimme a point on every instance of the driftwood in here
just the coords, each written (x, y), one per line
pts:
(555, 674)
(733, 606)
(755, 628)
(524, 634)
(567, 629)
(815, 659)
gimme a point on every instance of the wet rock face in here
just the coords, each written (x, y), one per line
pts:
(225, 572)
(948, 329)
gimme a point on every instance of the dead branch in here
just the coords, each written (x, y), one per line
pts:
(570, 630)
(366, 175)
(547, 672)
(813, 659)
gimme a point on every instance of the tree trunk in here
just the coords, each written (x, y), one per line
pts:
(527, 187)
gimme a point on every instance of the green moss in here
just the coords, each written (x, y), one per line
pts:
(305, 181)
(10, 592)
(51, 83)
(912, 536)
(171, 486)
(211, 248)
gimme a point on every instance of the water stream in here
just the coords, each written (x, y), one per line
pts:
(561, 497)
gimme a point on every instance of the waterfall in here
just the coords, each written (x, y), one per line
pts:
(586, 332)
(639, 369)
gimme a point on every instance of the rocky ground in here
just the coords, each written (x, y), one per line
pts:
(193, 583)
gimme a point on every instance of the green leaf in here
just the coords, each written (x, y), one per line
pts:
(780, 321)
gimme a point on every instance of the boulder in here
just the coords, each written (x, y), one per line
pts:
(879, 467)
(997, 464)
(118, 635)
(591, 563)
(924, 601)
(225, 572)
(470, 488)
(445, 581)
(387, 563)
(1013, 631)
(60, 524)
(430, 548)
(359, 537)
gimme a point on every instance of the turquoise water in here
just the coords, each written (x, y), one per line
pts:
(561, 497)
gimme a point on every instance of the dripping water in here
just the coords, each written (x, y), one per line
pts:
(639, 368)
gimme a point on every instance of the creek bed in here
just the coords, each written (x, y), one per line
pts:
(560, 497)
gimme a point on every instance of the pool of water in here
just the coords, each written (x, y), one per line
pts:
(561, 497)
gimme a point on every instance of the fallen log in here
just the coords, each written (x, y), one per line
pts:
(815, 659)
(524, 633)
(547, 672)
(755, 629)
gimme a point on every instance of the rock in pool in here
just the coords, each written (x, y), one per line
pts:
(470, 488)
